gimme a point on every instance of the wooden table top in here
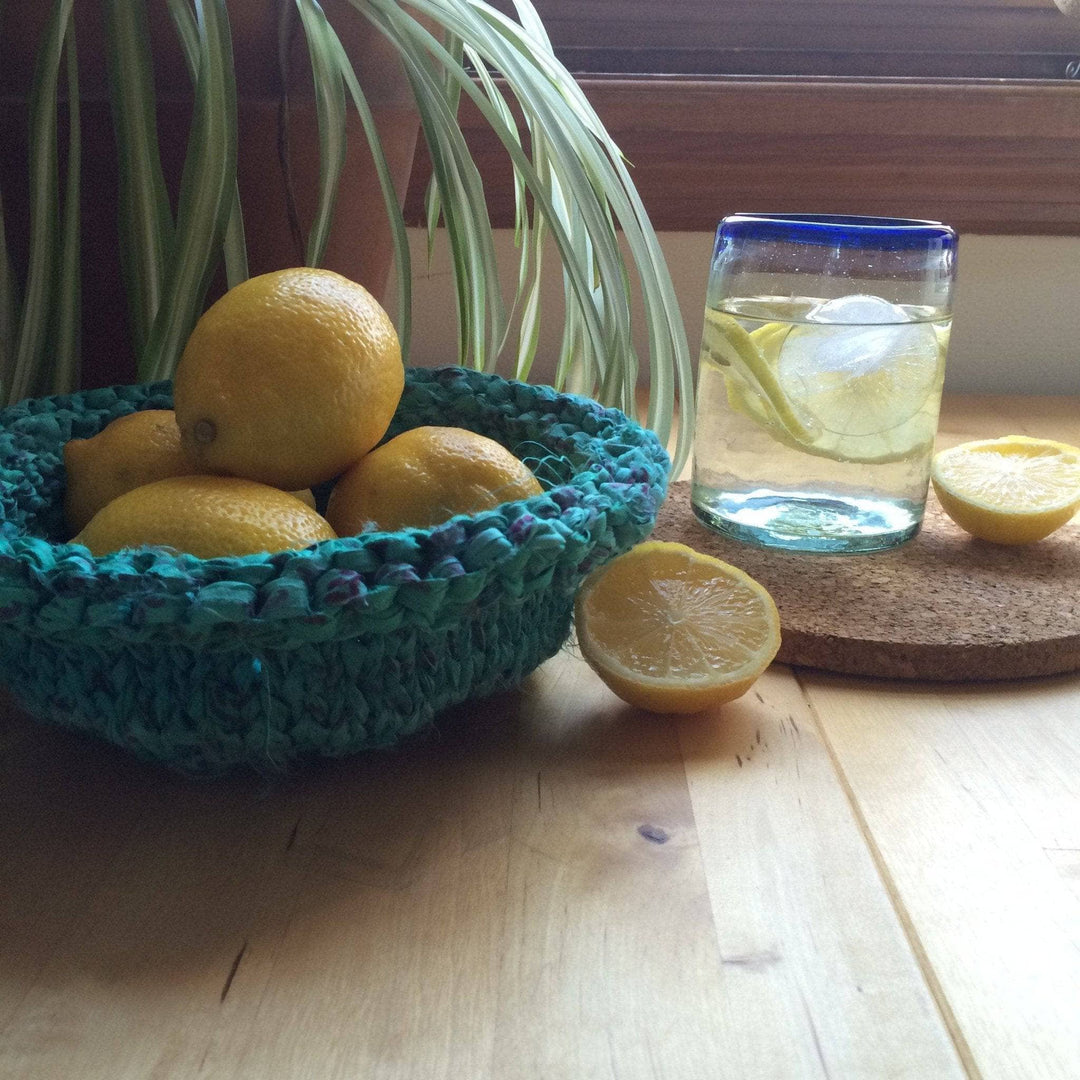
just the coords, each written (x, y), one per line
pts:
(831, 877)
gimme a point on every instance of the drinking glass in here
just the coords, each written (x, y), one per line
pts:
(819, 380)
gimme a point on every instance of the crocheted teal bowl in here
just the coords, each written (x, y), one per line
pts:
(350, 644)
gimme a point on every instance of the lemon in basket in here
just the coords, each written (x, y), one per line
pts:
(288, 379)
(130, 451)
(207, 516)
(425, 476)
(672, 630)
(1012, 490)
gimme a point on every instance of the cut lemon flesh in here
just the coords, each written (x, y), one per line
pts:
(672, 630)
(859, 381)
(1012, 490)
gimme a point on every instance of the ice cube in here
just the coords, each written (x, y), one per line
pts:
(856, 335)
(859, 365)
(860, 309)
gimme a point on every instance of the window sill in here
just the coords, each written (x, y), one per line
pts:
(984, 155)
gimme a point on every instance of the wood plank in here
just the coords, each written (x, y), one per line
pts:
(757, 58)
(972, 799)
(497, 913)
(386, 964)
(121, 946)
(611, 967)
(536, 890)
(636, 859)
(611, 29)
(62, 826)
(883, 887)
(807, 936)
(963, 790)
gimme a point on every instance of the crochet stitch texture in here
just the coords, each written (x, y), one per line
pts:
(351, 644)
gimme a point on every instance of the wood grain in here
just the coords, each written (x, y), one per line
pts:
(963, 792)
(809, 940)
(537, 890)
(831, 877)
(1003, 38)
(987, 156)
(970, 801)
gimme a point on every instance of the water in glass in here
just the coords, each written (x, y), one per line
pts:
(816, 419)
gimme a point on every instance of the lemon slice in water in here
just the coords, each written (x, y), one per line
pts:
(726, 343)
(865, 375)
(868, 395)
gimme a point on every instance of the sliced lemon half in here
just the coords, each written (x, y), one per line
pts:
(1011, 490)
(672, 630)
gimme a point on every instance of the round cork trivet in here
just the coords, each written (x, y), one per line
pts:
(943, 607)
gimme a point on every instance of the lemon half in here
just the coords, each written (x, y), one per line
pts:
(1011, 490)
(672, 630)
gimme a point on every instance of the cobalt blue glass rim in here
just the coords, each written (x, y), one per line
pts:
(848, 230)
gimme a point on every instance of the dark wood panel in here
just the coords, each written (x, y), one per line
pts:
(591, 61)
(254, 26)
(986, 156)
(924, 38)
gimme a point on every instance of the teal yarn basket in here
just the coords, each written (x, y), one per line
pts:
(348, 645)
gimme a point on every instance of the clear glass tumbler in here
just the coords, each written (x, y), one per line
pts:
(819, 381)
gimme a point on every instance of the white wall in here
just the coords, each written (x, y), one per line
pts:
(1017, 308)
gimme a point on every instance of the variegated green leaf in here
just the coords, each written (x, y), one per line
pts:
(206, 192)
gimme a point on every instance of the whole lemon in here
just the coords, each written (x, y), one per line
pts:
(207, 516)
(288, 379)
(425, 476)
(128, 452)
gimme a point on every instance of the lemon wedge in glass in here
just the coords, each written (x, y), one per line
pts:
(726, 343)
(821, 401)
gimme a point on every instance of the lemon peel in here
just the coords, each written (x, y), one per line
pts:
(131, 450)
(728, 344)
(288, 379)
(206, 516)
(425, 476)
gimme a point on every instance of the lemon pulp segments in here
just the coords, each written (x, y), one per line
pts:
(673, 630)
(1012, 490)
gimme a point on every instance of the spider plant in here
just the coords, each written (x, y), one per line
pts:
(573, 194)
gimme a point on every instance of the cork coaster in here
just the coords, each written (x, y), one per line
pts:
(943, 607)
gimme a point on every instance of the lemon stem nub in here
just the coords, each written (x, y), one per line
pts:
(204, 431)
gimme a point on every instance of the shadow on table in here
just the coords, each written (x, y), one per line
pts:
(124, 871)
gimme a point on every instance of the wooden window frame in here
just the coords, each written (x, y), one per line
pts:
(987, 155)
